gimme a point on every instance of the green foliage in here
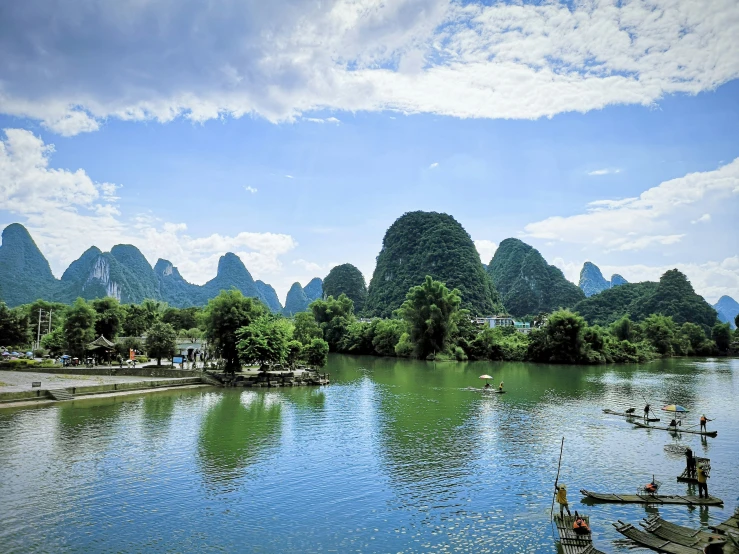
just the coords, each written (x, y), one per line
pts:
(13, 327)
(161, 341)
(526, 283)
(79, 327)
(333, 315)
(55, 342)
(306, 329)
(316, 353)
(264, 341)
(404, 348)
(721, 335)
(561, 340)
(387, 335)
(223, 317)
(659, 330)
(428, 243)
(294, 352)
(357, 338)
(499, 344)
(346, 279)
(139, 318)
(695, 336)
(123, 348)
(610, 305)
(110, 316)
(182, 318)
(624, 329)
(190, 335)
(431, 311)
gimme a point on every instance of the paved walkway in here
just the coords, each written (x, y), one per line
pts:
(17, 381)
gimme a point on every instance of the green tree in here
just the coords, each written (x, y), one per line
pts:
(659, 330)
(13, 327)
(306, 328)
(358, 338)
(346, 279)
(55, 342)
(110, 316)
(136, 320)
(223, 317)
(333, 315)
(623, 329)
(721, 335)
(191, 335)
(161, 341)
(694, 334)
(294, 352)
(387, 335)
(264, 341)
(560, 341)
(182, 318)
(79, 327)
(316, 353)
(431, 312)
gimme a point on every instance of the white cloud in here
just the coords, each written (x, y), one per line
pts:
(657, 216)
(67, 212)
(289, 177)
(152, 59)
(486, 249)
(597, 172)
(250, 189)
(433, 165)
(705, 218)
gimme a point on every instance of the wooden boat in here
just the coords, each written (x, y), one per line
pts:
(690, 500)
(571, 542)
(676, 429)
(625, 414)
(663, 536)
(685, 478)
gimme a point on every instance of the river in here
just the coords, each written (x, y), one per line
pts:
(393, 456)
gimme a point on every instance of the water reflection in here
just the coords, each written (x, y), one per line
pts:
(234, 433)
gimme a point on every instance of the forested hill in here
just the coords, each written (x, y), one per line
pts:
(429, 243)
(673, 296)
(123, 273)
(347, 279)
(527, 284)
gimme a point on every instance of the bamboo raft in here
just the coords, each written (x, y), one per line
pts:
(685, 478)
(676, 429)
(571, 542)
(690, 500)
(731, 525)
(625, 414)
(663, 536)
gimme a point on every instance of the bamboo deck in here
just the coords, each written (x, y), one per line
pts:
(676, 429)
(624, 414)
(684, 478)
(653, 498)
(571, 542)
(731, 525)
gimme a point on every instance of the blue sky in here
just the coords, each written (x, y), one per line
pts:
(295, 136)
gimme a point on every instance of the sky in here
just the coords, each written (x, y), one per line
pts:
(294, 132)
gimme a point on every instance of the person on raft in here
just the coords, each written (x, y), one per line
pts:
(674, 423)
(646, 411)
(487, 385)
(500, 387)
(651, 487)
(704, 420)
(702, 481)
(689, 463)
(580, 526)
(561, 492)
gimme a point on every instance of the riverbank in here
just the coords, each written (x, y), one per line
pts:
(35, 387)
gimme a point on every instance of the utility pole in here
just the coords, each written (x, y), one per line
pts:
(38, 334)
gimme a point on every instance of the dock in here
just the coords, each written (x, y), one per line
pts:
(571, 542)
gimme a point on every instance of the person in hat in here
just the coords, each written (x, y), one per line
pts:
(702, 481)
(561, 492)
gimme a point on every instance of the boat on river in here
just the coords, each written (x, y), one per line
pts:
(676, 429)
(690, 500)
(574, 543)
(627, 414)
(663, 536)
(685, 478)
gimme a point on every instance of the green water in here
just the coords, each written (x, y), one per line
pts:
(394, 456)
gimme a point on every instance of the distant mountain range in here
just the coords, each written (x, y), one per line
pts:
(727, 309)
(123, 273)
(299, 298)
(592, 280)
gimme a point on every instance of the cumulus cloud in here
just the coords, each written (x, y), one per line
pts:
(656, 217)
(156, 60)
(433, 165)
(597, 172)
(486, 249)
(67, 212)
(250, 189)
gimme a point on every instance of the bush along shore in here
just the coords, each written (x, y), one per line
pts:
(430, 324)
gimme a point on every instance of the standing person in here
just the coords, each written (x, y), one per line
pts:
(646, 412)
(500, 387)
(702, 481)
(689, 463)
(704, 420)
(561, 492)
